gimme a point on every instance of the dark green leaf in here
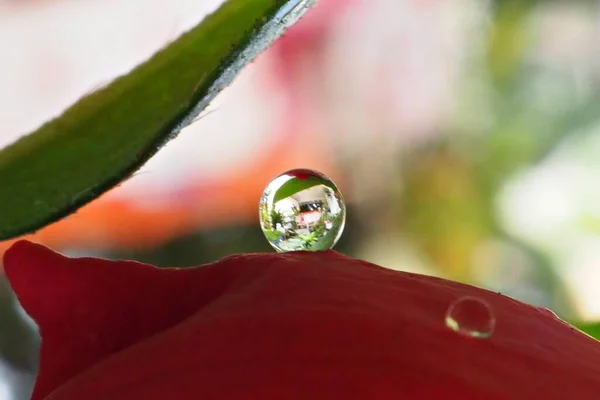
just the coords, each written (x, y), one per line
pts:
(591, 328)
(294, 186)
(107, 135)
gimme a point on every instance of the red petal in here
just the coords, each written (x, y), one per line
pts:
(284, 326)
(304, 174)
(88, 309)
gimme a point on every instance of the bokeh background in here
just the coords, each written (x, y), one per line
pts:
(464, 134)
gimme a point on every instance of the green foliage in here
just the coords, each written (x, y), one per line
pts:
(276, 218)
(591, 328)
(294, 186)
(107, 135)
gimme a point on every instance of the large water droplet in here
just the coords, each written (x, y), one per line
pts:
(471, 317)
(302, 209)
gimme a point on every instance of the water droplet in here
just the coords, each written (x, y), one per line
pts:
(471, 317)
(302, 209)
(548, 312)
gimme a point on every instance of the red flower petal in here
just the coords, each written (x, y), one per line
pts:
(304, 174)
(88, 309)
(283, 326)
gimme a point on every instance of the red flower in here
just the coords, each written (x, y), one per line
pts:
(283, 326)
(304, 174)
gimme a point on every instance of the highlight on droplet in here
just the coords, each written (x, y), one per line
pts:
(472, 317)
(548, 312)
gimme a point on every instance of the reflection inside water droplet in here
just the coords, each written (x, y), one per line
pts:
(302, 209)
(471, 317)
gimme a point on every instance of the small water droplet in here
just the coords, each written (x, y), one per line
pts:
(548, 312)
(302, 209)
(471, 317)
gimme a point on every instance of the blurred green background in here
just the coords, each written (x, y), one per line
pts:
(464, 135)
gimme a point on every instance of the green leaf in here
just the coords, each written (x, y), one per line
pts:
(591, 328)
(294, 186)
(107, 135)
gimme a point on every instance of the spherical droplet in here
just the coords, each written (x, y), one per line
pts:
(471, 317)
(302, 209)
